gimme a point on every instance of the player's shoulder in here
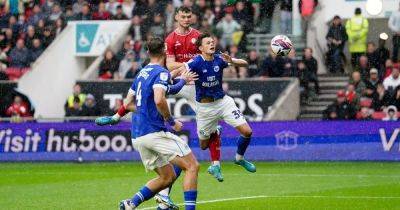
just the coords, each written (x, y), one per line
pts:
(196, 58)
(170, 37)
(195, 32)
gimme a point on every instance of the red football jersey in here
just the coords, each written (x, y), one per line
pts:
(182, 46)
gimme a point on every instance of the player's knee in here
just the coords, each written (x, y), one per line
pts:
(247, 132)
(204, 144)
(194, 167)
(168, 180)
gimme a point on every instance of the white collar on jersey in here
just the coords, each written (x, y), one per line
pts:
(177, 33)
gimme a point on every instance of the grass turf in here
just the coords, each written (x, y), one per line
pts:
(277, 185)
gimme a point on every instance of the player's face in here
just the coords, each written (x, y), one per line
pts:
(184, 19)
(208, 45)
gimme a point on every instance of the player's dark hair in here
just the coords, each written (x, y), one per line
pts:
(155, 46)
(201, 37)
(183, 9)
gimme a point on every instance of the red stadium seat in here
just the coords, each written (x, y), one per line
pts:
(16, 73)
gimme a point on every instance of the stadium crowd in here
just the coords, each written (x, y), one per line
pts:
(373, 91)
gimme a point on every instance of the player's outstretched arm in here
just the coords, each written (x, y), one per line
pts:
(162, 107)
(186, 76)
(172, 64)
(127, 106)
(234, 61)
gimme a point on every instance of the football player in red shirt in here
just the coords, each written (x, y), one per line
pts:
(180, 48)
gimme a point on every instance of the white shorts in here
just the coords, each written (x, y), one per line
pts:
(189, 93)
(157, 149)
(208, 115)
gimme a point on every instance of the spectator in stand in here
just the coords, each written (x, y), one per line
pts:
(112, 7)
(363, 67)
(30, 36)
(272, 65)
(102, 13)
(341, 109)
(85, 13)
(56, 13)
(125, 65)
(77, 6)
(393, 81)
(357, 30)
(41, 25)
(302, 75)
(36, 50)
(359, 85)
(18, 108)
(127, 7)
(23, 25)
(365, 113)
(90, 108)
(267, 8)
(77, 93)
(227, 26)
(47, 6)
(19, 55)
(59, 26)
(254, 68)
(396, 99)
(47, 37)
(11, 39)
(76, 108)
(337, 38)
(69, 14)
(3, 75)
(371, 83)
(306, 9)
(394, 25)
(119, 14)
(351, 96)
(380, 98)
(372, 55)
(218, 10)
(126, 47)
(286, 16)
(169, 15)
(108, 66)
(13, 25)
(243, 16)
(157, 28)
(133, 71)
(391, 114)
(117, 105)
(388, 68)
(36, 15)
(290, 65)
(137, 31)
(383, 52)
(312, 67)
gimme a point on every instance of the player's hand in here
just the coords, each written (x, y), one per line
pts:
(189, 76)
(226, 57)
(107, 120)
(178, 126)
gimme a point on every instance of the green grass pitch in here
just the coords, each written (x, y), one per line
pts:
(276, 185)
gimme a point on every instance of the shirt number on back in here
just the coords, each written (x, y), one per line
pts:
(139, 95)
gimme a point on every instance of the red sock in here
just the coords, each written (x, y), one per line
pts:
(215, 147)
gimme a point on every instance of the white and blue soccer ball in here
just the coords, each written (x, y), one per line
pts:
(281, 45)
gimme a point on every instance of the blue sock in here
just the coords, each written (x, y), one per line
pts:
(242, 144)
(144, 194)
(190, 199)
(177, 171)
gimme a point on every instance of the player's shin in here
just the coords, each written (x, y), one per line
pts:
(242, 144)
(215, 148)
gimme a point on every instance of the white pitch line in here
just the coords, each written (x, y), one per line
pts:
(323, 175)
(285, 197)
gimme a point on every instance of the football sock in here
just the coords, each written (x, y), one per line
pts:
(144, 194)
(242, 144)
(190, 199)
(215, 147)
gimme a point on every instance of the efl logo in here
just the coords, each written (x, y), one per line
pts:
(286, 140)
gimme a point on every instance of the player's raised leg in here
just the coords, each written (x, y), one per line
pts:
(232, 115)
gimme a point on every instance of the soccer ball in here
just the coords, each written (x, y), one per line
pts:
(281, 45)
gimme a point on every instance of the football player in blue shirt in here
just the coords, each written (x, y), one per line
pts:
(158, 148)
(212, 103)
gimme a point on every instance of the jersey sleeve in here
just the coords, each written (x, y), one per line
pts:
(162, 80)
(193, 64)
(169, 47)
(133, 87)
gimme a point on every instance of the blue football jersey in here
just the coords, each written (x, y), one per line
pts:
(209, 84)
(147, 119)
